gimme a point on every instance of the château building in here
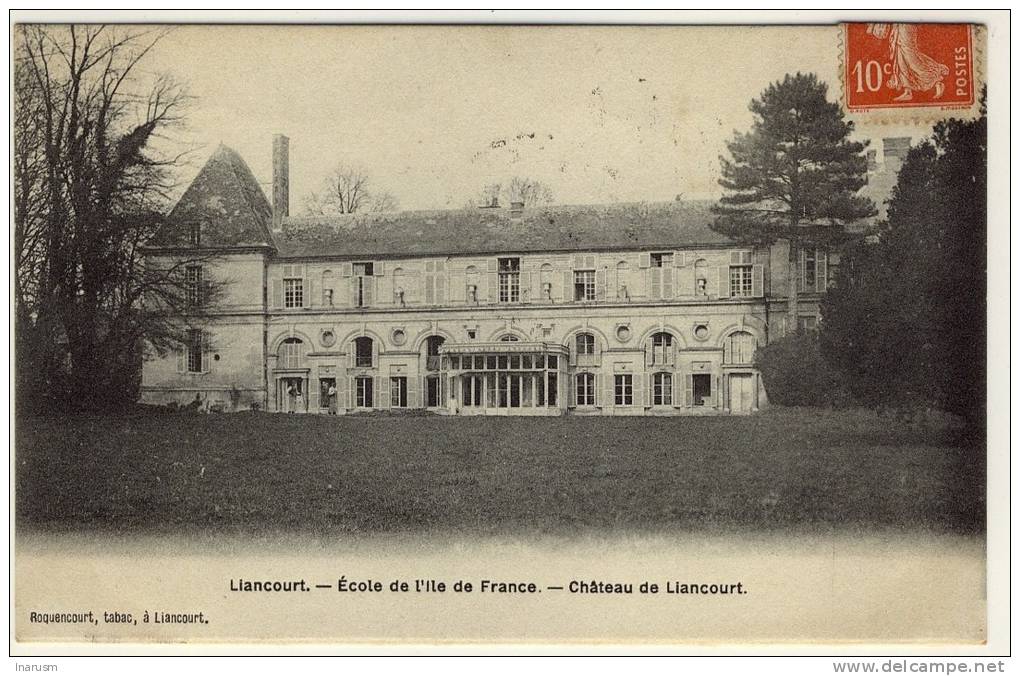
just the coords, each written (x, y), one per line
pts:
(623, 309)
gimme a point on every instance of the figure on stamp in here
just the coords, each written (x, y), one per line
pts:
(912, 70)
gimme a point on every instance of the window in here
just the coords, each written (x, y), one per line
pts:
(662, 389)
(435, 282)
(624, 389)
(622, 272)
(363, 284)
(585, 389)
(432, 357)
(662, 260)
(509, 338)
(701, 277)
(193, 285)
(807, 324)
(195, 234)
(327, 288)
(740, 281)
(701, 389)
(471, 287)
(291, 355)
(585, 344)
(363, 352)
(545, 276)
(363, 392)
(810, 269)
(293, 292)
(738, 348)
(509, 280)
(398, 392)
(584, 285)
(195, 348)
(662, 348)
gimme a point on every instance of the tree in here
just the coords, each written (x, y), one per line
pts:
(90, 191)
(347, 190)
(529, 191)
(906, 319)
(795, 175)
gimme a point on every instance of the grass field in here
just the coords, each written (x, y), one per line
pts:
(264, 473)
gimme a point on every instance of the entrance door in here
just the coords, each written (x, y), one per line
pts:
(741, 392)
(292, 396)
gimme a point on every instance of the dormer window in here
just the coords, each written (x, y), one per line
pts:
(195, 234)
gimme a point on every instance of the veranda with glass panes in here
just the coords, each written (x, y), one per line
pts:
(507, 378)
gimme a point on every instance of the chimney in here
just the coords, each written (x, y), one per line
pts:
(281, 180)
(895, 151)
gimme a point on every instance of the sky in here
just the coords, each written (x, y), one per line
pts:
(435, 113)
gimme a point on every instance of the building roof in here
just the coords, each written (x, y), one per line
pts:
(227, 200)
(665, 225)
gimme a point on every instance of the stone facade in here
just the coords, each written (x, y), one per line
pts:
(608, 326)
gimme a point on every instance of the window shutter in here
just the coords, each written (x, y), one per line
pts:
(758, 281)
(346, 269)
(607, 391)
(645, 260)
(724, 282)
(597, 352)
(310, 299)
(368, 291)
(430, 294)
(206, 359)
(182, 359)
(670, 356)
(802, 276)
(375, 354)
(384, 392)
(377, 392)
(667, 282)
(572, 345)
(649, 352)
(642, 390)
(352, 349)
(412, 393)
(600, 284)
(379, 268)
(277, 293)
(568, 285)
(341, 393)
(674, 395)
(493, 292)
(352, 393)
(820, 271)
(441, 288)
(689, 391)
(458, 288)
(572, 390)
(654, 284)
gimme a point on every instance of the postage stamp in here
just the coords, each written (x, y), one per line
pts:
(908, 65)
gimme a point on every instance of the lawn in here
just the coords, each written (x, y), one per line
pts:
(265, 473)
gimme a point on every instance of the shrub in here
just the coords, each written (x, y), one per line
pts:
(796, 374)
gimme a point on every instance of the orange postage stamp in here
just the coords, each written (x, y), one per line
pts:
(908, 65)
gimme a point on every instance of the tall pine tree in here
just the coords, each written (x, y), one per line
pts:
(795, 175)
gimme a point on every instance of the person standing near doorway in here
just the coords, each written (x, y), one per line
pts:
(331, 398)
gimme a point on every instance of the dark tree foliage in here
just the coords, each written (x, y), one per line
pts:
(796, 374)
(906, 320)
(89, 192)
(796, 174)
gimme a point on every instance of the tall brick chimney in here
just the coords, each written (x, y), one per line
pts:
(281, 180)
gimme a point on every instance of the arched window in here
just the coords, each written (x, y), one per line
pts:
(701, 277)
(363, 352)
(662, 389)
(738, 348)
(471, 284)
(291, 354)
(399, 289)
(662, 348)
(432, 358)
(622, 278)
(546, 276)
(327, 288)
(585, 344)
(509, 338)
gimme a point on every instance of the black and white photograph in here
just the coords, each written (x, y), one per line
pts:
(506, 334)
